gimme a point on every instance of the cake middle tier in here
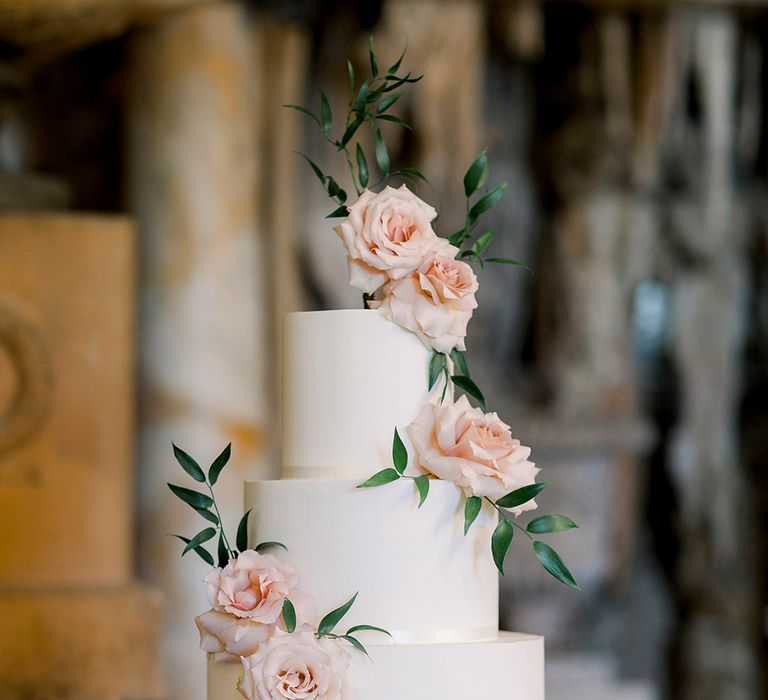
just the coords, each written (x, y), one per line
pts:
(416, 573)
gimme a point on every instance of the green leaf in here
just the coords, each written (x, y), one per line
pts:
(219, 463)
(552, 562)
(413, 172)
(362, 166)
(522, 495)
(477, 173)
(399, 453)
(304, 110)
(472, 509)
(509, 261)
(350, 131)
(188, 464)
(199, 538)
(355, 643)
(335, 191)
(367, 628)
(192, 498)
(396, 120)
(208, 515)
(422, 484)
(372, 57)
(546, 524)
(456, 239)
(385, 476)
(500, 541)
(351, 74)
(483, 241)
(326, 118)
(267, 545)
(397, 82)
(203, 553)
(315, 168)
(436, 366)
(360, 102)
(382, 154)
(459, 362)
(487, 201)
(334, 617)
(396, 65)
(241, 540)
(388, 101)
(222, 552)
(469, 387)
(289, 616)
(338, 213)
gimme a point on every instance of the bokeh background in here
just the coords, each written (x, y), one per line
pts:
(156, 225)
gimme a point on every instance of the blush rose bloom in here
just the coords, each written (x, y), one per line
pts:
(253, 586)
(297, 666)
(435, 302)
(228, 637)
(387, 236)
(474, 450)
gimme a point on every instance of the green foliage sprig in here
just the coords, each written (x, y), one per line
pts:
(205, 505)
(503, 534)
(369, 103)
(329, 622)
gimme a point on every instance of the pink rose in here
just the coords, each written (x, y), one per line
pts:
(474, 450)
(229, 637)
(253, 586)
(297, 666)
(387, 236)
(435, 302)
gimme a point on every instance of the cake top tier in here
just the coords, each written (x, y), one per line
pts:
(350, 377)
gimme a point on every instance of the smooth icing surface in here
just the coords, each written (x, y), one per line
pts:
(350, 377)
(417, 574)
(510, 667)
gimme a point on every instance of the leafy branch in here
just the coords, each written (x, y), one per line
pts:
(329, 622)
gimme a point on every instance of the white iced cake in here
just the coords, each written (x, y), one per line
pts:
(350, 377)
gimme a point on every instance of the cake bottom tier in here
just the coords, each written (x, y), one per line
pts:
(510, 667)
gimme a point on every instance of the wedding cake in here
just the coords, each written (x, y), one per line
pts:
(400, 491)
(435, 590)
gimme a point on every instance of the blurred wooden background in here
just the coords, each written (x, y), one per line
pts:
(633, 360)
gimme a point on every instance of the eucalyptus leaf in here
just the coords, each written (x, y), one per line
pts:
(360, 102)
(399, 453)
(219, 463)
(396, 120)
(382, 154)
(397, 82)
(335, 191)
(436, 366)
(338, 213)
(367, 628)
(552, 562)
(459, 361)
(350, 130)
(355, 643)
(304, 110)
(456, 239)
(188, 464)
(477, 173)
(334, 617)
(200, 538)
(210, 516)
(326, 117)
(192, 498)
(241, 539)
(221, 551)
(422, 484)
(500, 541)
(396, 65)
(487, 201)
(263, 546)
(203, 553)
(469, 387)
(289, 616)
(314, 166)
(385, 476)
(388, 101)
(509, 261)
(362, 166)
(472, 509)
(372, 57)
(546, 524)
(522, 495)
(483, 241)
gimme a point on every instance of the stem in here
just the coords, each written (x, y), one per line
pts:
(511, 522)
(366, 299)
(351, 170)
(221, 523)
